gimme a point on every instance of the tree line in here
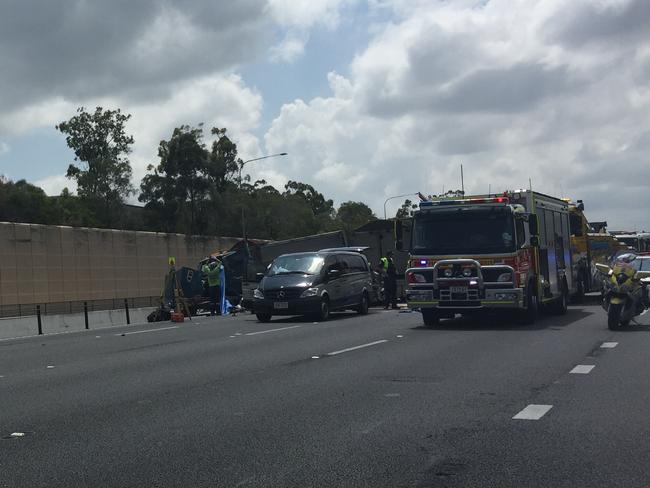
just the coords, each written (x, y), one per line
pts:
(193, 188)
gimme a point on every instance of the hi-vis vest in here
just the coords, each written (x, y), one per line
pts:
(214, 274)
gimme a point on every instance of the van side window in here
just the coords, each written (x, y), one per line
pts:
(356, 264)
(360, 264)
(330, 264)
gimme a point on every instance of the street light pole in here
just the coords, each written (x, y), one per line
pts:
(241, 165)
(396, 196)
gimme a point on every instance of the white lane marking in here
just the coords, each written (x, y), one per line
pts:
(50, 367)
(148, 330)
(608, 345)
(17, 434)
(399, 336)
(356, 347)
(392, 395)
(533, 412)
(315, 357)
(272, 330)
(582, 369)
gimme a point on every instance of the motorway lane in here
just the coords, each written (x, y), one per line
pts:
(207, 405)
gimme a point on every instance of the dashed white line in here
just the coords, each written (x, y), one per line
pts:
(356, 347)
(608, 345)
(148, 330)
(50, 367)
(582, 369)
(272, 330)
(533, 412)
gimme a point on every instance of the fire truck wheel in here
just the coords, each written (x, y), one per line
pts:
(430, 317)
(580, 291)
(528, 316)
(560, 305)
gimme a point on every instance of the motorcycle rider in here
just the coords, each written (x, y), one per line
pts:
(628, 259)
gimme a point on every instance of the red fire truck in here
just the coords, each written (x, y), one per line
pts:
(510, 252)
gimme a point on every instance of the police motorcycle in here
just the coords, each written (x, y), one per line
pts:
(625, 291)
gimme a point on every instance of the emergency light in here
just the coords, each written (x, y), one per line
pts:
(466, 201)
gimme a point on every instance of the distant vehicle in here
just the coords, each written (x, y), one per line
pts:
(638, 241)
(588, 247)
(313, 284)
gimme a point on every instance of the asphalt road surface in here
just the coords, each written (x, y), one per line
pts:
(372, 401)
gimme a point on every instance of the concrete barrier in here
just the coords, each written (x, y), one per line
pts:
(55, 324)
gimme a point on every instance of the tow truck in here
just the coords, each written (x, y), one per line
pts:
(483, 253)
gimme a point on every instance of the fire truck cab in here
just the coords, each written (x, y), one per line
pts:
(510, 252)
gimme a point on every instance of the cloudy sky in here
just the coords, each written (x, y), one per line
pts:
(370, 98)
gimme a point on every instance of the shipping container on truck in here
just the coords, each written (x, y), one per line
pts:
(509, 253)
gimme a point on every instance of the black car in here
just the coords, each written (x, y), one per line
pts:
(314, 283)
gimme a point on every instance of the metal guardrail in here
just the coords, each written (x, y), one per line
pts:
(78, 306)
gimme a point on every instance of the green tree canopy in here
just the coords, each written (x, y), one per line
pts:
(100, 143)
(353, 215)
(178, 186)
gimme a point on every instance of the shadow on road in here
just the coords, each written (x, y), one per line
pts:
(301, 319)
(496, 322)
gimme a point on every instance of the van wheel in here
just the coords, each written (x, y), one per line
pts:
(263, 317)
(323, 314)
(362, 309)
(430, 317)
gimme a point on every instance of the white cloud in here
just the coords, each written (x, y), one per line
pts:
(306, 13)
(299, 17)
(217, 101)
(4, 148)
(53, 185)
(290, 49)
(496, 86)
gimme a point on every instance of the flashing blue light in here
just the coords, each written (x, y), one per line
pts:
(423, 262)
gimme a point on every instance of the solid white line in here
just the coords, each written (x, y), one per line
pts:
(148, 330)
(272, 330)
(356, 347)
(533, 412)
(582, 369)
(609, 345)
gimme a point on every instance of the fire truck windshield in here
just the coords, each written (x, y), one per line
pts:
(463, 232)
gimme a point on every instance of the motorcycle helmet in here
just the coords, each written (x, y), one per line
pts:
(626, 258)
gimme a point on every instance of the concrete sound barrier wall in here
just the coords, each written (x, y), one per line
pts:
(42, 264)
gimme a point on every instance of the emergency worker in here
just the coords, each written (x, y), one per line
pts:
(389, 273)
(213, 271)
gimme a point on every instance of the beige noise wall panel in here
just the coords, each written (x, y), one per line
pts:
(46, 264)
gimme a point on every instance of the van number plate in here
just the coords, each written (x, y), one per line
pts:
(281, 305)
(458, 289)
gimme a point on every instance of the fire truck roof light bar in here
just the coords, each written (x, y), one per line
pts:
(466, 201)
